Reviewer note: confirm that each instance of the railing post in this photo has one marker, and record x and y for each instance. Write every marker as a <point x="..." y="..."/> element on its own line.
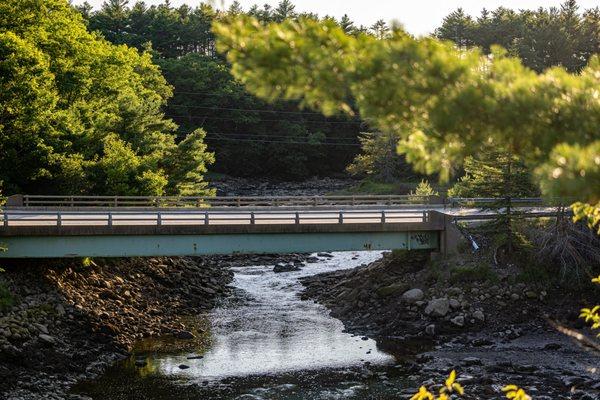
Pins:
<point x="159" y="218"/>
<point x="425" y="216"/>
<point x="116" y="202"/>
<point x="341" y="217"/>
<point x="353" y="201"/>
<point x="58" y="219"/>
<point x="383" y="217"/>
<point x="239" y="202"/>
<point x="72" y="201"/>
<point x="26" y="202"/>
<point x="252" y="218"/>
<point x="5" y="219"/>
<point x="110" y="219"/>
<point x="206" y="218"/>
<point x="297" y="218"/>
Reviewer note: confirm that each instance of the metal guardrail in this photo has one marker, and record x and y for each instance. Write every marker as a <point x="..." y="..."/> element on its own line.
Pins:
<point x="63" y="201"/>
<point x="111" y="218"/>
<point x="43" y="201"/>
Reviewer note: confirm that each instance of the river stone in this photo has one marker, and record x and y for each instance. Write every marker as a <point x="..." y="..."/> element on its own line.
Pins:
<point x="60" y="310"/>
<point x="478" y="315"/>
<point x="185" y="335"/>
<point x="281" y="267"/>
<point x="41" y="328"/>
<point x="391" y="289"/>
<point x="413" y="295"/>
<point x="430" y="330"/>
<point x="459" y="320"/>
<point x="47" y="339"/>
<point x="454" y="303"/>
<point x="437" y="307"/>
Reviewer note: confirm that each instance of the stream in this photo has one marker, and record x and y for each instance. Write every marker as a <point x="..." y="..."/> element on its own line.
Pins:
<point x="265" y="343"/>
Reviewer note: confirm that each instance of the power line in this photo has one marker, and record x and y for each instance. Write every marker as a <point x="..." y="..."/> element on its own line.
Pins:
<point x="283" y="142"/>
<point x="268" y="136"/>
<point x="249" y="110"/>
<point x="263" y="120"/>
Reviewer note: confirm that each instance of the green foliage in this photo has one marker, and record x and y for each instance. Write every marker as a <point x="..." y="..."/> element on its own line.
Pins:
<point x="570" y="251"/>
<point x="592" y="315"/>
<point x="542" y="38"/>
<point x="379" y="159"/>
<point x="444" y="103"/>
<point x="6" y="298"/>
<point x="368" y="186"/>
<point x="492" y="177"/>
<point x="80" y="115"/>
<point x="472" y="273"/>
<point x="251" y="137"/>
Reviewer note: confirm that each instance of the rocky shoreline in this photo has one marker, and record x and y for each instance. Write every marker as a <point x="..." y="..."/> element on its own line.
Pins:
<point x="491" y="330"/>
<point x="232" y="186"/>
<point x="71" y="320"/>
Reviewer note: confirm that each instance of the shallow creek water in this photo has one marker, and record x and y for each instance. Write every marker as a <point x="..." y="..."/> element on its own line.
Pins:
<point x="265" y="343"/>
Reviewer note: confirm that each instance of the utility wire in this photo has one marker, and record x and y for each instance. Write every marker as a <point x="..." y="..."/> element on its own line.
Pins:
<point x="283" y="142"/>
<point x="264" y="120"/>
<point x="250" y="110"/>
<point x="268" y="137"/>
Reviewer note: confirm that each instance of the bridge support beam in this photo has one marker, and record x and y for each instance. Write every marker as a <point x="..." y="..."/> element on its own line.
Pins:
<point x="195" y="245"/>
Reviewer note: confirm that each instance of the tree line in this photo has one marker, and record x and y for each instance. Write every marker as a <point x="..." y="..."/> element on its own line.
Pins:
<point x="129" y="98"/>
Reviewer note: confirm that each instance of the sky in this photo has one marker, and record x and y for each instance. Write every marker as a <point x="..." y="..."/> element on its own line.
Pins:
<point x="419" y="17"/>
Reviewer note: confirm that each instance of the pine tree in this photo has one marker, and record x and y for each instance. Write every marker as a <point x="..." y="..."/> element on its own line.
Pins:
<point x="347" y="25"/>
<point x="500" y="176"/>
<point x="285" y="10"/>
<point x="380" y="29"/>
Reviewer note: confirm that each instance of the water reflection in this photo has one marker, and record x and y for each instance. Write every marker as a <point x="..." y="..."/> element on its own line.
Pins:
<point x="266" y="329"/>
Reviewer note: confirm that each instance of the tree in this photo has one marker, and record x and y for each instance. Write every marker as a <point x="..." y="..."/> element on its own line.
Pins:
<point x="499" y="176"/>
<point x="347" y="25"/>
<point x="542" y="39"/>
<point x="444" y="103"/>
<point x="379" y="158"/>
<point x="457" y="27"/>
<point x="80" y="115"/>
<point x="284" y="10"/>
<point x="380" y="29"/>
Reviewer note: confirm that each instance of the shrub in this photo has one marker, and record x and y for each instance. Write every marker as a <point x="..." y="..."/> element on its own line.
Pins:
<point x="6" y="298"/>
<point x="472" y="273"/>
<point x="572" y="248"/>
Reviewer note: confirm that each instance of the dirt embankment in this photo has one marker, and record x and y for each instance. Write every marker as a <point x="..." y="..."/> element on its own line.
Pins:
<point x="70" y="321"/>
<point x="474" y="318"/>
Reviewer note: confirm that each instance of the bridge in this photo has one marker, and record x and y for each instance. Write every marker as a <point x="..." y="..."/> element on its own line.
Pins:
<point x="111" y="226"/>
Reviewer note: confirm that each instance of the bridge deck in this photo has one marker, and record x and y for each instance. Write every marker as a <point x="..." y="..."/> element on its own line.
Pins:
<point x="45" y="234"/>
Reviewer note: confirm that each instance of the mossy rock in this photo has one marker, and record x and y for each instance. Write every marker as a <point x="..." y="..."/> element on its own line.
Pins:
<point x="396" y="288"/>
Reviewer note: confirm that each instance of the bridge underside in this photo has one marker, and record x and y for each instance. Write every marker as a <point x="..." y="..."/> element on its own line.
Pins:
<point x="64" y="246"/>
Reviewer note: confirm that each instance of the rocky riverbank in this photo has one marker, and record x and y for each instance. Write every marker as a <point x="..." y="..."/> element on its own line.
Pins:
<point x="475" y="319"/>
<point x="71" y="320"/>
<point x="232" y="186"/>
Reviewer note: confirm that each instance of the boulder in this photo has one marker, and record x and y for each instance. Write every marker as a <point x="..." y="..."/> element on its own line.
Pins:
<point x="391" y="289"/>
<point x="478" y="315"/>
<point x="47" y="339"/>
<point x="430" y="330"/>
<point x="459" y="320"/>
<point x="281" y="267"/>
<point x="455" y="304"/>
<point x="185" y="335"/>
<point x="438" y="307"/>
<point x="413" y="295"/>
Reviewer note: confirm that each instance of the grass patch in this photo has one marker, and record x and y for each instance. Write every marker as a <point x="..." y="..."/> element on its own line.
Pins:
<point x="378" y="188"/>
<point x="472" y="273"/>
<point x="6" y="298"/>
<point x="536" y="275"/>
